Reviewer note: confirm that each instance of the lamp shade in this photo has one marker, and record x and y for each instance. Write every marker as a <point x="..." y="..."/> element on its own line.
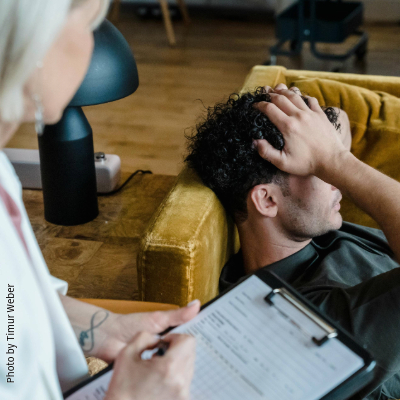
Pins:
<point x="112" y="74"/>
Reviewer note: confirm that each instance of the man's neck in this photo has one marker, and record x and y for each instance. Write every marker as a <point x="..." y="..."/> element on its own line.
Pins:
<point x="262" y="246"/>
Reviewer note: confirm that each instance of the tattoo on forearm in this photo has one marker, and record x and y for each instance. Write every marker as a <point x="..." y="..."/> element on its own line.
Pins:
<point x="89" y="334"/>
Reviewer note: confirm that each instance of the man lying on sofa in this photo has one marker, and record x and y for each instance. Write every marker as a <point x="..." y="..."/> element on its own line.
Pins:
<point x="278" y="163"/>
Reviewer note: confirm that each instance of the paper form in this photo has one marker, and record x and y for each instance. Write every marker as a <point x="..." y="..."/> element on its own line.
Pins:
<point x="246" y="349"/>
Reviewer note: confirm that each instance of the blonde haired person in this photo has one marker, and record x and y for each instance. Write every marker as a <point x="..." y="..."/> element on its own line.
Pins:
<point x="45" y="50"/>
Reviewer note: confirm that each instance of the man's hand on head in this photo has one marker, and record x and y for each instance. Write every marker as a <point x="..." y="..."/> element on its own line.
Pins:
<point x="343" y="120"/>
<point x="311" y="141"/>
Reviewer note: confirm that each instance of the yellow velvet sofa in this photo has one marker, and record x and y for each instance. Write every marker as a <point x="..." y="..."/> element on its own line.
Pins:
<point x="190" y="237"/>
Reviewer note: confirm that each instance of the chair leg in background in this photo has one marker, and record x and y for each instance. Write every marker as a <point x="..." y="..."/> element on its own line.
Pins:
<point x="184" y="11"/>
<point x="167" y="21"/>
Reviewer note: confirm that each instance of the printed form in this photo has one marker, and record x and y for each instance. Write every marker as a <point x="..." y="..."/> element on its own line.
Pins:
<point x="246" y="349"/>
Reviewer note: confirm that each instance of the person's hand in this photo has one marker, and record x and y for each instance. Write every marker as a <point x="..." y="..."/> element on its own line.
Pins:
<point x="167" y="377"/>
<point x="279" y="87"/>
<point x="119" y="329"/>
<point x="311" y="141"/>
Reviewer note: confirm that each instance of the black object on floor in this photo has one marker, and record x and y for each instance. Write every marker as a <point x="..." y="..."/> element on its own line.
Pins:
<point x="320" y="21"/>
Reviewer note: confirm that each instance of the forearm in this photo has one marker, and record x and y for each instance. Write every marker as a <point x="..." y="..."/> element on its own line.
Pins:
<point x="345" y="131"/>
<point x="375" y="193"/>
<point x="88" y="323"/>
<point x="104" y="334"/>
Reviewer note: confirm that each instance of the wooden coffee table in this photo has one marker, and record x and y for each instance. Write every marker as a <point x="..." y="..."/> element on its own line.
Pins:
<point x="98" y="259"/>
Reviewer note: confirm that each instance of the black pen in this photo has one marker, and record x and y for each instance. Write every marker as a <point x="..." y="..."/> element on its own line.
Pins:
<point x="159" y="350"/>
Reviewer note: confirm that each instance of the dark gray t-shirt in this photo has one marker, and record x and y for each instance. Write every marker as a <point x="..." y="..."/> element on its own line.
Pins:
<point x="351" y="275"/>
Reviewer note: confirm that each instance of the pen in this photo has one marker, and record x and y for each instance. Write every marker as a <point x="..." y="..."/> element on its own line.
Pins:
<point x="159" y="350"/>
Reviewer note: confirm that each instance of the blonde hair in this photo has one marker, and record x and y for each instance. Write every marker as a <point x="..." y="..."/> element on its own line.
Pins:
<point x="27" y="31"/>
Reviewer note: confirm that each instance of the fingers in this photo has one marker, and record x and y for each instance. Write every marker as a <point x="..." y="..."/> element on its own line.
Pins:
<point x="162" y="320"/>
<point x="268" y="89"/>
<point x="275" y="114"/>
<point x="313" y="104"/>
<point x="268" y="152"/>
<point x="284" y="104"/>
<point x="180" y="346"/>
<point x="295" y="90"/>
<point x="280" y="86"/>
<point x="178" y="361"/>
<point x="312" y="101"/>
<point x="292" y="98"/>
<point x="182" y="315"/>
<point x="140" y="342"/>
<point x="167" y="377"/>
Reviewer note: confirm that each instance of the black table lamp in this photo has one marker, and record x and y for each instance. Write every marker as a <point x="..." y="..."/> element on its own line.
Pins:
<point x="66" y="148"/>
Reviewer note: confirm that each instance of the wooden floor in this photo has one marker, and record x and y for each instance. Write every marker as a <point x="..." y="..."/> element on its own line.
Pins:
<point x="211" y="61"/>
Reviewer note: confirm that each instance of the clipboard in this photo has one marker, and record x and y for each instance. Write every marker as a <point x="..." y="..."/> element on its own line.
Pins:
<point x="356" y="381"/>
<point x="280" y="297"/>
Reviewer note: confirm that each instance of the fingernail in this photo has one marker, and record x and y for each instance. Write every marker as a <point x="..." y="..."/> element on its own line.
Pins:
<point x="192" y="303"/>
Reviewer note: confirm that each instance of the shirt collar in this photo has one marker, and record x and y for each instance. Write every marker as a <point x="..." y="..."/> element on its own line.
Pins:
<point x="288" y="268"/>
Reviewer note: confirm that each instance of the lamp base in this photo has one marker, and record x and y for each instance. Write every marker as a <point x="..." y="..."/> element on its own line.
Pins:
<point x="67" y="169"/>
<point x="69" y="180"/>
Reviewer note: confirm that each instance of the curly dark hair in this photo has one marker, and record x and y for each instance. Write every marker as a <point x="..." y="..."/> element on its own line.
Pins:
<point x="221" y="149"/>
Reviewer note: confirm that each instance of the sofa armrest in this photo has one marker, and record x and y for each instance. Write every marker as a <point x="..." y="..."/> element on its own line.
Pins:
<point x="185" y="246"/>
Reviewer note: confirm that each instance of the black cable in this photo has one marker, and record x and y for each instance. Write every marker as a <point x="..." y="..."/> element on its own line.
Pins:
<point x="125" y="183"/>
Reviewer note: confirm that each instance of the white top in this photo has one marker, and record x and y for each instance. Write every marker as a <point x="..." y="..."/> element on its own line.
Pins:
<point x="48" y="359"/>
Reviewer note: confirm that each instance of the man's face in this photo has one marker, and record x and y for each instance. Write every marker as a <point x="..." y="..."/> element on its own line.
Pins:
<point x="310" y="209"/>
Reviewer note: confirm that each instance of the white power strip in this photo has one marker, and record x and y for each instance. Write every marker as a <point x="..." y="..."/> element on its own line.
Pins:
<point x="27" y="166"/>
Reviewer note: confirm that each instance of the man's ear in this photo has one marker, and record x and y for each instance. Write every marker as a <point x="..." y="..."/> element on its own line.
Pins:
<point x="264" y="200"/>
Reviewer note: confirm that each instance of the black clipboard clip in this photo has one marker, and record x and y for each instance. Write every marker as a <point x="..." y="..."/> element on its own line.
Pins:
<point x="330" y="331"/>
